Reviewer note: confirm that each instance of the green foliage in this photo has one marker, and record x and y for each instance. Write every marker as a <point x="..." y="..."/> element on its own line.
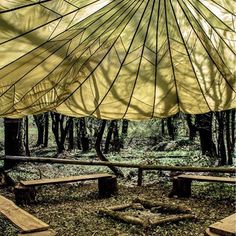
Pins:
<point x="149" y="128"/>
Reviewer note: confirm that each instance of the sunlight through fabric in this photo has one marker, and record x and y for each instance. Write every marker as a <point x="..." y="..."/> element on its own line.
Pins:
<point x="115" y="59"/>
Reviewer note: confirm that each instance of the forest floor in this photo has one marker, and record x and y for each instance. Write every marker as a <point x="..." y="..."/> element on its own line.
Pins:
<point x="73" y="209"/>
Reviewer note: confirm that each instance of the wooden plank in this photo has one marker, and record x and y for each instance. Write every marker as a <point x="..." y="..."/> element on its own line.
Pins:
<point x="64" y="179"/>
<point x="23" y="220"/>
<point x="225" y="227"/>
<point x="230" y="180"/>
<point x="49" y="232"/>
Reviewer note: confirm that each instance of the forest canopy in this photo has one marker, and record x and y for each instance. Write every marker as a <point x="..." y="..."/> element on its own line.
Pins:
<point x="114" y="59"/>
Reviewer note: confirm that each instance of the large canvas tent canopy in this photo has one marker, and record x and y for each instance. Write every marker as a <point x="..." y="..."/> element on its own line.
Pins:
<point x="113" y="59"/>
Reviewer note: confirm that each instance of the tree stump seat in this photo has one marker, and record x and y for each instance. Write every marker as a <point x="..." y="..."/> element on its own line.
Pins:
<point x="25" y="222"/>
<point x="182" y="183"/>
<point x="25" y="191"/>
<point x="224" y="227"/>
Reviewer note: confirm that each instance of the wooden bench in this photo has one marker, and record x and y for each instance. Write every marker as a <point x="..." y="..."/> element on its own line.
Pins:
<point x="225" y="227"/>
<point x="25" y="222"/>
<point x="182" y="183"/>
<point x="49" y="232"/>
<point x="25" y="191"/>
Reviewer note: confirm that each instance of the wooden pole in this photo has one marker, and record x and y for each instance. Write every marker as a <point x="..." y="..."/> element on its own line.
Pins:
<point x="121" y="164"/>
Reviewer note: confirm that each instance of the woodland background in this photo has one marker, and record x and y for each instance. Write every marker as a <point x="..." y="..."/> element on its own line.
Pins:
<point x="211" y="135"/>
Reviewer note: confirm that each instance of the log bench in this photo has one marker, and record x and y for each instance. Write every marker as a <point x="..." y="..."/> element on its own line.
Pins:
<point x="225" y="227"/>
<point x="25" y="222"/>
<point x="25" y="191"/>
<point x="182" y="183"/>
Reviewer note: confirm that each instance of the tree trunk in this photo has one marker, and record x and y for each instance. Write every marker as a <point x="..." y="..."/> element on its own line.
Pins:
<point x="46" y="126"/>
<point x="71" y="135"/>
<point x="26" y="138"/>
<point x="191" y="127"/>
<point x="204" y="126"/>
<point x="233" y="136"/>
<point x="116" y="139"/>
<point x="124" y="132"/>
<point x="228" y="138"/>
<point x="55" y="130"/>
<point x="171" y="128"/>
<point x="39" y="121"/>
<point x="60" y="127"/>
<point x="162" y="127"/>
<point x="83" y="135"/>
<point x="116" y="170"/>
<point x="108" y="138"/>
<point x="221" y="138"/>
<point x="77" y="127"/>
<point x="13" y="140"/>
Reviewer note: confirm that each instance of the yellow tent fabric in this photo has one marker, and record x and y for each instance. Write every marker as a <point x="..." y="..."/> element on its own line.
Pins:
<point x="114" y="59"/>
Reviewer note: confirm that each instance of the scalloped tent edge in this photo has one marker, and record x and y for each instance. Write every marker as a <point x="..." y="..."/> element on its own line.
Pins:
<point x="115" y="59"/>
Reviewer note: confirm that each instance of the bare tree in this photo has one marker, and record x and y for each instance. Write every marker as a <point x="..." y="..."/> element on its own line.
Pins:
<point x="14" y="142"/>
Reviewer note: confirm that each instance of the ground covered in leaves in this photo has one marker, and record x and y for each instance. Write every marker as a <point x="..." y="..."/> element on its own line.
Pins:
<point x="73" y="209"/>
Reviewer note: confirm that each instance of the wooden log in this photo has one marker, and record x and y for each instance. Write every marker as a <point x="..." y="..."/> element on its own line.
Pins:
<point x="119" y="207"/>
<point x="169" y="219"/>
<point x="124" y="217"/>
<point x="145" y="223"/>
<point x="140" y="176"/>
<point x="163" y="207"/>
<point x="125" y="165"/>
<point x="137" y="206"/>
<point x="107" y="186"/>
